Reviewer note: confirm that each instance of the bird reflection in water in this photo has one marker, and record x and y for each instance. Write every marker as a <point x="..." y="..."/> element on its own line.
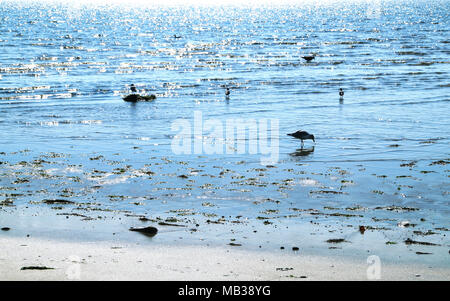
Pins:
<point x="303" y="152"/>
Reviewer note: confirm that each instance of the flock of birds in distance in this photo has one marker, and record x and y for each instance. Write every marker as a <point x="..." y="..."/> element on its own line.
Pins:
<point x="302" y="135"/>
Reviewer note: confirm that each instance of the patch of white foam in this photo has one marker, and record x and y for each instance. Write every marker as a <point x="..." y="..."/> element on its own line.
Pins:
<point x="49" y="123"/>
<point x="91" y="122"/>
<point x="309" y="182"/>
<point x="116" y="180"/>
<point x="72" y="169"/>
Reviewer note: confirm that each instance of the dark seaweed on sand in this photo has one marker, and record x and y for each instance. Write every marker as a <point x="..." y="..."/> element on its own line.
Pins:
<point x="36" y="268"/>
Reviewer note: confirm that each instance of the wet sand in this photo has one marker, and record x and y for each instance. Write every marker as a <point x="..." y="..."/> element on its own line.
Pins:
<point x="109" y="261"/>
<point x="295" y="211"/>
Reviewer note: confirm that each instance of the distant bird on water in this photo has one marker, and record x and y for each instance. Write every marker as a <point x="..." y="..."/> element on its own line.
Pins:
<point x="133" y="88"/>
<point x="302" y="135"/>
<point x="308" y="58"/>
<point x="227" y="92"/>
<point x="341" y="92"/>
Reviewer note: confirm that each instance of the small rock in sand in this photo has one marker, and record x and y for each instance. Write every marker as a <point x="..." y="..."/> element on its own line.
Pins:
<point x="362" y="229"/>
<point x="149" y="231"/>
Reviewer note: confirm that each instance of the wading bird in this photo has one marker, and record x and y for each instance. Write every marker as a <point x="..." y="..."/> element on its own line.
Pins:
<point x="302" y="135"/>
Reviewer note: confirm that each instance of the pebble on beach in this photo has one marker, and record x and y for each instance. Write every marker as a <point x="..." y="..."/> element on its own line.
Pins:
<point x="148" y="231"/>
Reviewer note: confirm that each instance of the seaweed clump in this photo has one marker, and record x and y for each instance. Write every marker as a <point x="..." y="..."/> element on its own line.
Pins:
<point x="137" y="97"/>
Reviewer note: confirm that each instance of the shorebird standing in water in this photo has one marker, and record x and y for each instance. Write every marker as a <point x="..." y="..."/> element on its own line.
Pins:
<point x="341" y="95"/>
<point x="133" y="88"/>
<point x="302" y="135"/>
<point x="227" y="92"/>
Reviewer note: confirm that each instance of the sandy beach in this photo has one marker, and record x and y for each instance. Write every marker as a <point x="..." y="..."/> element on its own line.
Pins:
<point x="109" y="261"/>
<point x="268" y="239"/>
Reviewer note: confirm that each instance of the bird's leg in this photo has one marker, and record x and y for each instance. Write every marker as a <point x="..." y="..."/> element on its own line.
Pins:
<point x="302" y="144"/>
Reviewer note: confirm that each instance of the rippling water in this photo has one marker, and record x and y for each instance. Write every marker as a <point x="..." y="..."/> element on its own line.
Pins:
<point x="64" y="69"/>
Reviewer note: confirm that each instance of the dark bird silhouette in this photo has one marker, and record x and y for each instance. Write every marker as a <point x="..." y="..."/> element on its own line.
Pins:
<point x="308" y="58"/>
<point x="341" y="92"/>
<point x="133" y="88"/>
<point x="227" y="92"/>
<point x="302" y="135"/>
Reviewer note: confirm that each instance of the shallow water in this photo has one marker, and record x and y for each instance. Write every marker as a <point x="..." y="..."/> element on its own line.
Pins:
<point x="66" y="133"/>
<point x="64" y="70"/>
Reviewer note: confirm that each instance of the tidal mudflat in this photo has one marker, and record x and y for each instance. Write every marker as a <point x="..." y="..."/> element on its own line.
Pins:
<point x="294" y="207"/>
